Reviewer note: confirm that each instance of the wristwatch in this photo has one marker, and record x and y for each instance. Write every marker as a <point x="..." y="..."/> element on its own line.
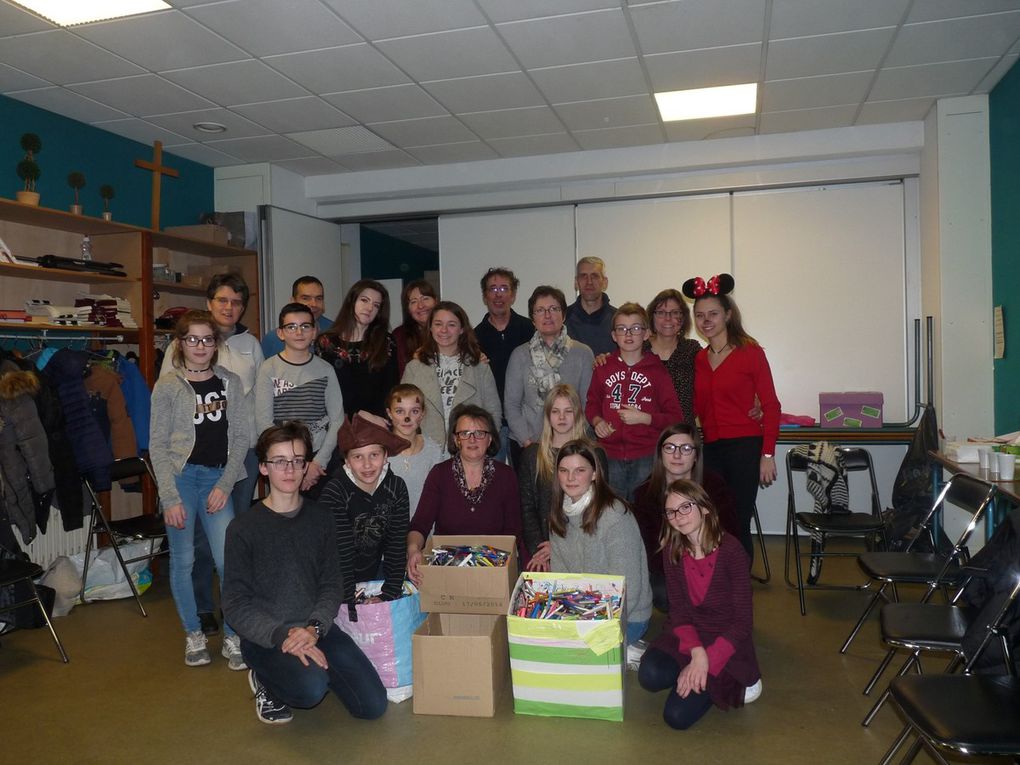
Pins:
<point x="768" y="456"/>
<point x="316" y="625"/>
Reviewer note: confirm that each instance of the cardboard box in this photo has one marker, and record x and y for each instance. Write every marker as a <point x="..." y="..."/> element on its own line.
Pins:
<point x="460" y="664"/>
<point x="566" y="668"/>
<point x="861" y="409"/>
<point x="206" y="232"/>
<point x="469" y="590"/>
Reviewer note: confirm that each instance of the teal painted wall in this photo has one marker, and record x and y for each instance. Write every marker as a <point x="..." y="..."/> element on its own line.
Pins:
<point x="1004" y="137"/>
<point x="104" y="158"/>
<point x="383" y="257"/>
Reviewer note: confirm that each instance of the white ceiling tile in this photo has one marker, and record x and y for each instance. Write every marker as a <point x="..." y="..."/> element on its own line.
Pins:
<point x="141" y="131"/>
<point x="997" y="73"/>
<point x="930" y="10"/>
<point x="345" y="140"/>
<point x="501" y="10"/>
<point x="385" y="104"/>
<point x="15" y="79"/>
<point x="827" y="54"/>
<point x="954" y="40"/>
<point x="158" y="41"/>
<point x="335" y="70"/>
<point x="311" y="166"/>
<point x="142" y="96"/>
<point x="704" y="68"/>
<point x="907" y="110"/>
<point x="807" y="119"/>
<point x="809" y="92"/>
<point x="513" y="122"/>
<point x="574" y="39"/>
<point x="379" y="19"/>
<point x="717" y="127"/>
<point x="239" y="82"/>
<point x="491" y="91"/>
<point x="800" y="18"/>
<point x="69" y="104"/>
<point x="377" y="160"/>
<point x="470" y="151"/>
<point x="18" y="21"/>
<point x="444" y="55"/>
<point x="265" y="27"/>
<point x="423" y="132"/>
<point x="270" y="148"/>
<point x="204" y="155"/>
<point x="948" y="79"/>
<point x="294" y="114"/>
<point x="615" y="138"/>
<point x="182" y="122"/>
<point x="610" y="112"/>
<point x="530" y="145"/>
<point x="62" y="58"/>
<point x="600" y="79"/>
<point x="695" y="24"/>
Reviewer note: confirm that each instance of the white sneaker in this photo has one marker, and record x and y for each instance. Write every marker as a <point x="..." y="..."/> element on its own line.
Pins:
<point x="232" y="653"/>
<point x="634" y="653"/>
<point x="195" y="652"/>
<point x="752" y="692"/>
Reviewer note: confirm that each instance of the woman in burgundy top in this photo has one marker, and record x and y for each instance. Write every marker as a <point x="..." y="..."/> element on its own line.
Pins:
<point x="417" y="301"/>
<point x="728" y="374"/>
<point x="704" y="655"/>
<point x="470" y="493"/>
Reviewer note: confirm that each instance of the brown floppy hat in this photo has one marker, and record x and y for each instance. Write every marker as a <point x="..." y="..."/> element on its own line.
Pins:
<point x="360" y="432"/>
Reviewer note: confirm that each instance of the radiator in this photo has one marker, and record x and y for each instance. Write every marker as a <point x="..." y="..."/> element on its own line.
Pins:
<point x="46" y="548"/>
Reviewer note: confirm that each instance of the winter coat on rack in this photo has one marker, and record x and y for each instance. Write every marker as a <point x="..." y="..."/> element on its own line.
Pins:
<point x="137" y="398"/>
<point x="24" y="454"/>
<point x="105" y="383"/>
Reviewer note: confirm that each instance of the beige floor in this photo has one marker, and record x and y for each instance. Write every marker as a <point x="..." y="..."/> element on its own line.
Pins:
<point x="127" y="697"/>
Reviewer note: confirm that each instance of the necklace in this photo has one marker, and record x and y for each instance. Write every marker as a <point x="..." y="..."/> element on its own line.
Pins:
<point x="197" y="371"/>
<point x="720" y="351"/>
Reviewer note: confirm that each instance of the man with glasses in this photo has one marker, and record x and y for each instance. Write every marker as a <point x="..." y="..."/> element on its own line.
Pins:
<point x="590" y="317"/>
<point x="308" y="291"/>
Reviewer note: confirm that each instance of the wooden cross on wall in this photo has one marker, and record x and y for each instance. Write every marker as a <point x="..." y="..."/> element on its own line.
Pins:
<point x="157" y="169"/>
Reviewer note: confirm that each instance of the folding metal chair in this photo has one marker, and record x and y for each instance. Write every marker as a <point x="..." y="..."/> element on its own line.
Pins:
<point x="759" y="532"/>
<point x="14" y="571"/>
<point x="148" y="528"/>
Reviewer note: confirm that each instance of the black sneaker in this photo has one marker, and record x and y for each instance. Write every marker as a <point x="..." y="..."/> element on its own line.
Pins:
<point x="209" y="624"/>
<point x="268" y="709"/>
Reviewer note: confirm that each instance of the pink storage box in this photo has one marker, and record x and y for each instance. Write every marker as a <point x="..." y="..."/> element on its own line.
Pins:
<point x="862" y="409"/>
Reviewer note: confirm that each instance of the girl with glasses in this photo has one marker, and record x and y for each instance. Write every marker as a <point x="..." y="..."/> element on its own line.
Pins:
<point x="705" y="654"/>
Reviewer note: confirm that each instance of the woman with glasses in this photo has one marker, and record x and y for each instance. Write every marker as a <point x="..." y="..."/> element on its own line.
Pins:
<point x="671" y="320"/>
<point x="551" y="357"/>
<point x="199" y="439"/>
<point x="416" y="302"/>
<point x="361" y="349"/>
<point x="470" y="493"/>
<point x="449" y="371"/>
<point x="677" y="458"/>
<point x="704" y="654"/>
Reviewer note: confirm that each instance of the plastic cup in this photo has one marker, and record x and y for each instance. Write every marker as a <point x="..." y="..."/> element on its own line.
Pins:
<point x="1007" y="466"/>
<point x="984" y="456"/>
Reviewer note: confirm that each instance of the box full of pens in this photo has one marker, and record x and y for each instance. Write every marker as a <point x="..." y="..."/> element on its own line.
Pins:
<point x="566" y="635"/>
<point x="468" y="574"/>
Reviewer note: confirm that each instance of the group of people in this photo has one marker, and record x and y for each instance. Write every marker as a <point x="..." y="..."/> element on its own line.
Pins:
<point x="572" y="431"/>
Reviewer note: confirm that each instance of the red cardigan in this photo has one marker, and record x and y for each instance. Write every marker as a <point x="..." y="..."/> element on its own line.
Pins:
<point x="724" y="396"/>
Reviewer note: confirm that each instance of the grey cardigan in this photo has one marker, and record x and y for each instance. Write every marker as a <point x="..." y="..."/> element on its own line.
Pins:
<point x="523" y="406"/>
<point x="476" y="386"/>
<point x="172" y="431"/>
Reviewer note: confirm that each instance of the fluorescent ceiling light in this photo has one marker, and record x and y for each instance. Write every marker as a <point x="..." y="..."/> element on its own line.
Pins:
<point x="701" y="103"/>
<point x="69" y="12"/>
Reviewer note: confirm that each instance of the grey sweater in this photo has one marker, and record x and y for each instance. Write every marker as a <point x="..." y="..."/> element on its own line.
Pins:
<point x="280" y="572"/>
<point x="614" y="549"/>
<point x="172" y="431"/>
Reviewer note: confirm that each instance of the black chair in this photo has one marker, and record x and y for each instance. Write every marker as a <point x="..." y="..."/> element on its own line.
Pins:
<point x="14" y="571"/>
<point x="935" y="570"/>
<point x="970" y="714"/>
<point x="760" y="533"/>
<point x="868" y="525"/>
<point x="149" y="528"/>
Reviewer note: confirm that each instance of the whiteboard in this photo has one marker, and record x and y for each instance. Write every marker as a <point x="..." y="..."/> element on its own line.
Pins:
<point x="821" y="284"/>
<point x="536" y="244"/>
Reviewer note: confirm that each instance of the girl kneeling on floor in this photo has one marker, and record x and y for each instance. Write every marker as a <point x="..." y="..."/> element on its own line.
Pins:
<point x="704" y="655"/>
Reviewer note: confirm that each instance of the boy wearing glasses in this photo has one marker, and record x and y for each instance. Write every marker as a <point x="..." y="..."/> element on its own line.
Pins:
<point x="284" y="603"/>
<point x="630" y="400"/>
<point x="297" y="385"/>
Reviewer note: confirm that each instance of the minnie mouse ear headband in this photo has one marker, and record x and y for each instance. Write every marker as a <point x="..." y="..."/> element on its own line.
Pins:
<point x="718" y="285"/>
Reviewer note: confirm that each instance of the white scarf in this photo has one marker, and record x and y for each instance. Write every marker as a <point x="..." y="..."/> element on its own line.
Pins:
<point x="574" y="509"/>
<point x="382" y="474"/>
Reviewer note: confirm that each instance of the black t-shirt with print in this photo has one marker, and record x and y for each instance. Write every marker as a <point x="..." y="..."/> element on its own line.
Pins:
<point x="210" y="423"/>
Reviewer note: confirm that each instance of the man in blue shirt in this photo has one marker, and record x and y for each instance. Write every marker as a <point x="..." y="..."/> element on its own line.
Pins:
<point x="308" y="291"/>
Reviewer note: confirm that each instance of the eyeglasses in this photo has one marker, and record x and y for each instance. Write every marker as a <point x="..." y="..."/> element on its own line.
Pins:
<point x="663" y="314"/>
<point x="293" y="328"/>
<point x="552" y="310"/>
<point x="298" y="463"/>
<point x="472" y="435"/>
<point x="683" y="509"/>
<point x="207" y="340"/>
<point x="224" y="302"/>
<point x="498" y="289"/>
<point x="637" y="329"/>
<point x="684" y="449"/>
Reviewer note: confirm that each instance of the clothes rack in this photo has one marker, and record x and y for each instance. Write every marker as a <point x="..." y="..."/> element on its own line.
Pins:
<point x="44" y="334"/>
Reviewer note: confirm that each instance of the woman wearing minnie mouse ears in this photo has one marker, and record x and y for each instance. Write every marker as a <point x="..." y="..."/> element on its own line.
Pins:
<point x="728" y="374"/>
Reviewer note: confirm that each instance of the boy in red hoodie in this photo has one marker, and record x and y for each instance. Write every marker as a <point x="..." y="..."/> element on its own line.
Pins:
<point x="630" y="400"/>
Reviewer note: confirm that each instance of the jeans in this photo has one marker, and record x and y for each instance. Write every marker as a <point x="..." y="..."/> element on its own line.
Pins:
<point x="738" y="461"/>
<point x="193" y="485"/>
<point x="659" y="672"/>
<point x="625" y="475"/>
<point x="635" y="630"/>
<point x="350" y="676"/>
<point x="202" y="572"/>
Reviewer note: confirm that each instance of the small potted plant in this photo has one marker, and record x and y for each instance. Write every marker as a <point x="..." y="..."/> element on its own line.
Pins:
<point x="28" y="170"/>
<point x="76" y="181"/>
<point x="106" y="192"/>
